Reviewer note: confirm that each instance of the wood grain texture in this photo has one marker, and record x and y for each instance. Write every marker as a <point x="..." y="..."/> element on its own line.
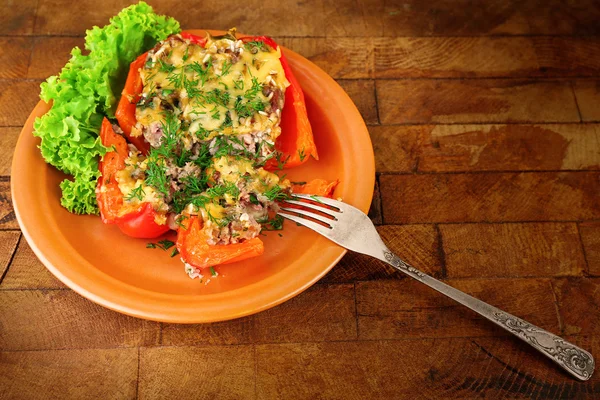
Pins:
<point x="417" y="244"/>
<point x="69" y="374"/>
<point x="396" y="148"/>
<point x="375" y="208"/>
<point x="8" y="245"/>
<point x="348" y="18"/>
<point x="310" y="18"/>
<point x="50" y="54"/>
<point x="590" y="236"/>
<point x="362" y="93"/>
<point x="498" y="17"/>
<point x="8" y="141"/>
<point x="7" y="213"/>
<point x="490" y="197"/>
<point x="409" y="309"/>
<point x="465" y="101"/>
<point x="27" y="272"/>
<point x="450" y="57"/>
<point x="475" y="111"/>
<point x="61" y="319"/>
<point x="237" y="331"/>
<point x="322" y="313"/>
<point x="17" y="99"/>
<point x="579" y="305"/>
<point x="417" y="369"/>
<point x="445" y="148"/>
<point x="14" y="57"/>
<point x="224" y="372"/>
<point x="587" y="93"/>
<point x="486" y="57"/>
<point x="512" y="250"/>
<point x="513" y="147"/>
<point x="341" y="58"/>
<point x="17" y="17"/>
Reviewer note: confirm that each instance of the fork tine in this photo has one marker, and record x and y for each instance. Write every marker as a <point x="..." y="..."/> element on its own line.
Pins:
<point x="324" y="210"/>
<point x="309" y="214"/>
<point x="307" y="223"/>
<point x="324" y="200"/>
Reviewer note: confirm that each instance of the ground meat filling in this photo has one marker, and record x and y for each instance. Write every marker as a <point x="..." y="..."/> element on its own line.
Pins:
<point x="211" y="116"/>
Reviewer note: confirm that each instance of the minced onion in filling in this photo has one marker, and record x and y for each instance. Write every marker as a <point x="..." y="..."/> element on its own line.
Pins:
<point x="211" y="115"/>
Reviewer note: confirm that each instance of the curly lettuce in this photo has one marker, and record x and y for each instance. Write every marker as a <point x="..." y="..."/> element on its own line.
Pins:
<point x="86" y="90"/>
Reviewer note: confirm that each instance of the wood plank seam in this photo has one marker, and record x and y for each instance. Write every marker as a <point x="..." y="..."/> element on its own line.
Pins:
<point x="137" y="381"/>
<point x="380" y="201"/>
<point x="541" y="123"/>
<point x="255" y="357"/>
<point x="356" y="312"/>
<point x="585" y="257"/>
<point x="441" y="252"/>
<point x="576" y="101"/>
<point x="31" y="49"/>
<point x="561" y="324"/>
<point x="493" y="222"/>
<point x="12" y="256"/>
<point x="499" y="171"/>
<point x="376" y="101"/>
<point x="512" y="369"/>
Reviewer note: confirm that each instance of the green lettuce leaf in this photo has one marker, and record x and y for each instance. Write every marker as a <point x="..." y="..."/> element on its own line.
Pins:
<point x="86" y="90"/>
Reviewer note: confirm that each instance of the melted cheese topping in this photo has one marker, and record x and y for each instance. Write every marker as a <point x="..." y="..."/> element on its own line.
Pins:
<point x="218" y="89"/>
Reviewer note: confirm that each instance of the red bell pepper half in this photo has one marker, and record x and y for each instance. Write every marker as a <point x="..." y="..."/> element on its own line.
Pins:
<point x="296" y="142"/>
<point x="130" y="95"/>
<point x="140" y="221"/>
<point x="194" y="249"/>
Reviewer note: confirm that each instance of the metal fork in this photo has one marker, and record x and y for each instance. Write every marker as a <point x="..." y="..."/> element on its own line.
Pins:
<point x="351" y="228"/>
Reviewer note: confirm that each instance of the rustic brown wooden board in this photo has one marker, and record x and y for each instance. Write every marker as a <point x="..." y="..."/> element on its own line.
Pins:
<point x="590" y="235"/>
<point x="226" y="372"/>
<point x="466" y="101"/>
<point x="8" y="246"/>
<point x="407" y="309"/>
<point x="484" y="118"/>
<point x="27" y="272"/>
<point x="7" y="214"/>
<point x="579" y="305"/>
<point x="8" y="141"/>
<point x="347" y="58"/>
<point x="362" y="93"/>
<point x="492" y="197"/>
<point x="18" y="17"/>
<point x="486" y="57"/>
<point x="90" y="373"/>
<point x="528" y="249"/>
<point x="17" y="99"/>
<point x="498" y="17"/>
<point x="61" y="319"/>
<point x="588" y="99"/>
<point x="14" y="57"/>
<point x="512" y="147"/>
<point x="50" y="54"/>
<point x="322" y="313"/>
<point x="416" y="369"/>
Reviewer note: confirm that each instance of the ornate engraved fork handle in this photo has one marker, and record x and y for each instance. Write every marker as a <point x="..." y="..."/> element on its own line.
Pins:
<point x="573" y="359"/>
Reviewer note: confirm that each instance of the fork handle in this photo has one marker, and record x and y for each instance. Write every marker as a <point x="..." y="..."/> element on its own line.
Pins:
<point x="571" y="358"/>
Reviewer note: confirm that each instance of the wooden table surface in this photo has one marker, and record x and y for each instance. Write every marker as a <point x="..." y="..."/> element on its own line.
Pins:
<point x="484" y="120"/>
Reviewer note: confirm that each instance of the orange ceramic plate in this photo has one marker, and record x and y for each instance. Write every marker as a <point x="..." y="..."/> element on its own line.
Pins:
<point x="120" y="273"/>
